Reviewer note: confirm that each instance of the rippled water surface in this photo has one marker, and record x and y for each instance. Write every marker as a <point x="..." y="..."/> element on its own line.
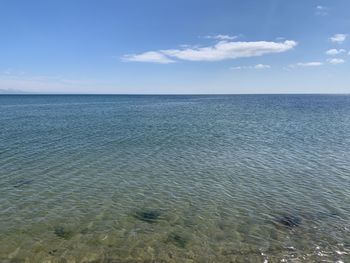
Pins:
<point x="261" y="178"/>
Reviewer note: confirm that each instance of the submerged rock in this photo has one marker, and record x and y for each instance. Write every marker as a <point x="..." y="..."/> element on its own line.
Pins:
<point x="289" y="221"/>
<point x="53" y="252"/>
<point x="84" y="231"/>
<point x="177" y="240"/>
<point x="61" y="232"/>
<point x="21" y="183"/>
<point x="149" y="216"/>
<point x="292" y="220"/>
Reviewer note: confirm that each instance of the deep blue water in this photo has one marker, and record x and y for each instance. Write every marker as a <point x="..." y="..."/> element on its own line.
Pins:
<point x="243" y="178"/>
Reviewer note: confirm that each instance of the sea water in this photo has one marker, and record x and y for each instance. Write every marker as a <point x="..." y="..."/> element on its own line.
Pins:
<point x="244" y="178"/>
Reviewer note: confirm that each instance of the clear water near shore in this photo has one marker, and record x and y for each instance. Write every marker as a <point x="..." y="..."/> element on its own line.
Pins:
<point x="256" y="178"/>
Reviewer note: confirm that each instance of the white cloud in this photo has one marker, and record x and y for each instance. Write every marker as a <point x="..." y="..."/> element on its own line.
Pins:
<point x="336" y="61"/>
<point x="317" y="63"/>
<point x="258" y="66"/>
<point x="220" y="51"/>
<point x="321" y="10"/>
<point x="334" y="52"/>
<point x="230" y="50"/>
<point x="338" y="38"/>
<point x="307" y="64"/>
<point x="222" y="37"/>
<point x="262" y="66"/>
<point x="151" y="56"/>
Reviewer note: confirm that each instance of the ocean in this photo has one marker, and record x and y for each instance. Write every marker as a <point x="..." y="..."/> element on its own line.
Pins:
<point x="224" y="178"/>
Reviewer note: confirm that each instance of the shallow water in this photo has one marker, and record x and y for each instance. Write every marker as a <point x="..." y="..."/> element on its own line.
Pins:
<point x="263" y="178"/>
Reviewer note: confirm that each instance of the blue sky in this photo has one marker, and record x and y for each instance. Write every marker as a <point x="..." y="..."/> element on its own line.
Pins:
<point x="182" y="46"/>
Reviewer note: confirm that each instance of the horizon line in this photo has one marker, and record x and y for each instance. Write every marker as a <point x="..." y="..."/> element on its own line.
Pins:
<point x="173" y="94"/>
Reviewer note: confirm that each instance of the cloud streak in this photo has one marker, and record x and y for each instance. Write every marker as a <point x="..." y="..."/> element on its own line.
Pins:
<point x="221" y="37"/>
<point x="336" y="61"/>
<point x="321" y="10"/>
<point x="223" y="50"/>
<point x="307" y="64"/>
<point x="334" y="52"/>
<point x="338" y="38"/>
<point x="151" y="56"/>
<point x="258" y="66"/>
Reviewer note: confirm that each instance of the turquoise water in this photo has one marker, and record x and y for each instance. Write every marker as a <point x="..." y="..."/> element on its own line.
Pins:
<point x="255" y="178"/>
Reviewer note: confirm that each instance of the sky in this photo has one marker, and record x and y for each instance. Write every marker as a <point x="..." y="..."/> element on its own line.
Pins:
<point x="175" y="47"/>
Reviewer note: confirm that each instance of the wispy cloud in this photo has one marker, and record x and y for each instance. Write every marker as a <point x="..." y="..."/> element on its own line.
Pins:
<point x="222" y="50"/>
<point x="258" y="66"/>
<point x="262" y="66"/>
<point x="338" y="38"/>
<point x="334" y="52"/>
<point x="307" y="64"/>
<point x="333" y="61"/>
<point x="321" y="10"/>
<point x="6" y="72"/>
<point x="336" y="61"/>
<point x="151" y="56"/>
<point x="230" y="50"/>
<point x="221" y="37"/>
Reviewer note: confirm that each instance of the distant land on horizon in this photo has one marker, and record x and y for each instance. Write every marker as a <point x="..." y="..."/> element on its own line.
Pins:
<point x="14" y="91"/>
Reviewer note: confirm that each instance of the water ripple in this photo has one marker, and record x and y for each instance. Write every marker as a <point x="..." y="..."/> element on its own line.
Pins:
<point x="175" y="178"/>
